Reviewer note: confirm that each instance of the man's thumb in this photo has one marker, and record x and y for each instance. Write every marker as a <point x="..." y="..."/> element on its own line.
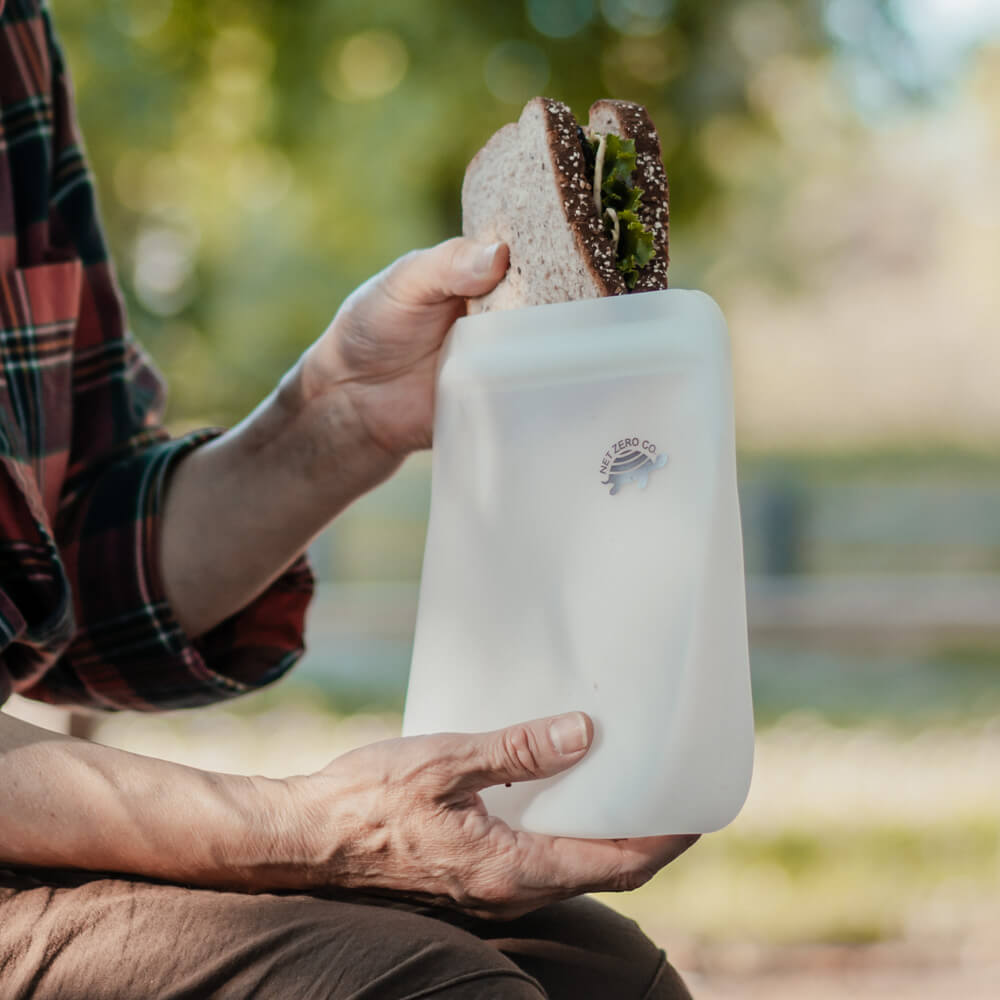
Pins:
<point x="457" y="268"/>
<point x="529" y="750"/>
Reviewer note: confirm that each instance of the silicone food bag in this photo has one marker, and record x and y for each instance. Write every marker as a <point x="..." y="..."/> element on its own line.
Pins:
<point x="584" y="552"/>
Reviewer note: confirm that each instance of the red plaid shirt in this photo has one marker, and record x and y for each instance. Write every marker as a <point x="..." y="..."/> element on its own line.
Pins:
<point x="84" y="462"/>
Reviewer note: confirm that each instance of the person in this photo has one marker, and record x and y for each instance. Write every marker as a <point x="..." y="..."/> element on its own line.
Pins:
<point x="141" y="572"/>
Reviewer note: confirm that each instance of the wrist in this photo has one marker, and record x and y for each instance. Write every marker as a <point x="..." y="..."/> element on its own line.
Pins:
<point x="300" y="842"/>
<point x="313" y="420"/>
<point x="273" y="850"/>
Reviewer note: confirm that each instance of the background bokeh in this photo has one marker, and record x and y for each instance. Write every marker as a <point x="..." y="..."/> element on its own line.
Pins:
<point x="833" y="168"/>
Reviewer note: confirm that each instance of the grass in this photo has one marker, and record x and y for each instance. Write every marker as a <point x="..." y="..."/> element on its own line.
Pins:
<point x="798" y="886"/>
<point x="918" y="464"/>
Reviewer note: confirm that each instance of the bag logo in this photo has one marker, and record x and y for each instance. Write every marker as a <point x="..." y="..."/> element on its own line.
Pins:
<point x="630" y="461"/>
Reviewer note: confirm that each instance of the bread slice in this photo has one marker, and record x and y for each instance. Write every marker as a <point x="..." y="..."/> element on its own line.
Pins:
<point x="631" y="121"/>
<point x="528" y="186"/>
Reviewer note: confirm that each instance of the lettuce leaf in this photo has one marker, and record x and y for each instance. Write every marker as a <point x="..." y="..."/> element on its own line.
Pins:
<point x="618" y="192"/>
<point x="619" y="168"/>
<point x="635" y="246"/>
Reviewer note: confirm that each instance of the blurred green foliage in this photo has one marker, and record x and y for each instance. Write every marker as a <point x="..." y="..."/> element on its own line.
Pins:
<point x="258" y="159"/>
<point x="794" y="886"/>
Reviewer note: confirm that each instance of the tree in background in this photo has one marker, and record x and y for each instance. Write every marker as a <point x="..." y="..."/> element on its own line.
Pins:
<point x="257" y="159"/>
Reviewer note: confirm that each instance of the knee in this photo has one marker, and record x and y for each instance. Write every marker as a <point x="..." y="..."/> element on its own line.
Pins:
<point x="628" y="943"/>
<point x="667" y="984"/>
<point x="625" y="940"/>
<point x="356" y="950"/>
<point x="583" y="948"/>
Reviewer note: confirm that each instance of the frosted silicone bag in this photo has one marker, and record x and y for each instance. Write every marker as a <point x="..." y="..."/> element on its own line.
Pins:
<point x="561" y="573"/>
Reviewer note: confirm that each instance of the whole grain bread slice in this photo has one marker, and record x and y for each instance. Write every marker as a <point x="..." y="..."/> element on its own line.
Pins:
<point x="631" y="121"/>
<point x="529" y="187"/>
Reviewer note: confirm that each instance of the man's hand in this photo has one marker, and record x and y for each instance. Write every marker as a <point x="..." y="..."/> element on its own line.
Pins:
<point x="381" y="350"/>
<point x="401" y="816"/>
<point x="405" y="815"/>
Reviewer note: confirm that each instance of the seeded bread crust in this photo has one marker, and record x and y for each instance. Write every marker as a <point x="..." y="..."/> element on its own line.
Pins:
<point x="528" y="187"/>
<point x="577" y="190"/>
<point x="631" y="121"/>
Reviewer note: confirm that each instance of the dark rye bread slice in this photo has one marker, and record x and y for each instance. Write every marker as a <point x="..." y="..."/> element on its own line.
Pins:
<point x="631" y="121"/>
<point x="529" y="187"/>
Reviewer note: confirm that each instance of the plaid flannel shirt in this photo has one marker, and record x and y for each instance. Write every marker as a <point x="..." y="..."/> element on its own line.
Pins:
<point x="84" y="462"/>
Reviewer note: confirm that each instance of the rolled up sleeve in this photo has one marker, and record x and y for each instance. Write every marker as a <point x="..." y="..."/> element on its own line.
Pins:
<point x="129" y="650"/>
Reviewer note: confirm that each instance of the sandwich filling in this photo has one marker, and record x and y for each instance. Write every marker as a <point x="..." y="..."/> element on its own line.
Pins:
<point x="611" y="162"/>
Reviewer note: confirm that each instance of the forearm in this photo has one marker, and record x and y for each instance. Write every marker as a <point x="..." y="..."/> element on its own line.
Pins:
<point x="242" y="507"/>
<point x="69" y="803"/>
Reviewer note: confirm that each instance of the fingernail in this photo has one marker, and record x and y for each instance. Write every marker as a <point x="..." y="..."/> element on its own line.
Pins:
<point x="568" y="733"/>
<point x="483" y="262"/>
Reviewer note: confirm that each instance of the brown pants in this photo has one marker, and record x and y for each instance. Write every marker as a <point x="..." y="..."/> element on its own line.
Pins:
<point x="77" y="936"/>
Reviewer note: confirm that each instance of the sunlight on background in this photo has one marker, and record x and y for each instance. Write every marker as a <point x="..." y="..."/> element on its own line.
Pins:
<point x="834" y="186"/>
<point x="366" y="66"/>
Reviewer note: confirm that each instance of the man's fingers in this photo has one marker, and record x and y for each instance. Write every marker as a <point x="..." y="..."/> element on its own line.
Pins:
<point x="569" y="864"/>
<point x="525" y="752"/>
<point x="658" y="851"/>
<point x="457" y="268"/>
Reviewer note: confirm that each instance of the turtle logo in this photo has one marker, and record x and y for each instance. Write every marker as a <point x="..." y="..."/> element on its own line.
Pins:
<point x="630" y="461"/>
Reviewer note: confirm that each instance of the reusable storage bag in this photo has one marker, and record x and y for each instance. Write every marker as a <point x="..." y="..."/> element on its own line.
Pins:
<point x="584" y="552"/>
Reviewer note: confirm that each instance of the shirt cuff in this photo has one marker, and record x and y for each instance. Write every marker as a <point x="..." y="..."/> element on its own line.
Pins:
<point x="129" y="650"/>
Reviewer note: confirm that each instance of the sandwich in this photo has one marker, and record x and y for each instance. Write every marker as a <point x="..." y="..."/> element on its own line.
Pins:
<point x="583" y="210"/>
